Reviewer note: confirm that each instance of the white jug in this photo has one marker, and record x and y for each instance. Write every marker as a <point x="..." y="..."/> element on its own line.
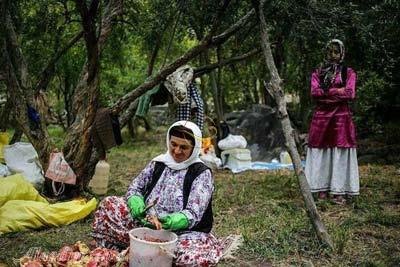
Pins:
<point x="99" y="182"/>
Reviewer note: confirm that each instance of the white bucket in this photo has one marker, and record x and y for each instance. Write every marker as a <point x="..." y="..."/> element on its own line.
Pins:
<point x="144" y="253"/>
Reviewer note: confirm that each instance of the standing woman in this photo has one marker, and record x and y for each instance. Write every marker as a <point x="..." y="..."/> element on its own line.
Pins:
<point x="331" y="164"/>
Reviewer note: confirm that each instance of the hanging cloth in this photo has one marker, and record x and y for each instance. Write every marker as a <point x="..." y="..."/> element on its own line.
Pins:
<point x="178" y="82"/>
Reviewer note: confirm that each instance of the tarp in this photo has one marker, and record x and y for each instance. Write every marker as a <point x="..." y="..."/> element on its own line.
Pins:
<point x="22" y="208"/>
<point x="259" y="165"/>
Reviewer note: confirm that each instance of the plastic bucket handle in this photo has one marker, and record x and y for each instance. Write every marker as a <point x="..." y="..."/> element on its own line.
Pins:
<point x="166" y="251"/>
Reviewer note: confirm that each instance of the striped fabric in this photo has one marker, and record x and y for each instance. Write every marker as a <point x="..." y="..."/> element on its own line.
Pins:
<point x="184" y="110"/>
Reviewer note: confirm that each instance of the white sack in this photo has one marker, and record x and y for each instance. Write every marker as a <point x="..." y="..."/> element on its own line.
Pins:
<point x="232" y="141"/>
<point x="22" y="158"/>
<point x="4" y="171"/>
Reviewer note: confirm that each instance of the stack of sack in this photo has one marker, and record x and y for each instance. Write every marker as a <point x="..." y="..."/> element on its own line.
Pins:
<point x="234" y="154"/>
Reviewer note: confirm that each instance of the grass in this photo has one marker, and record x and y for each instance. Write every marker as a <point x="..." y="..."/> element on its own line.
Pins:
<point x="267" y="209"/>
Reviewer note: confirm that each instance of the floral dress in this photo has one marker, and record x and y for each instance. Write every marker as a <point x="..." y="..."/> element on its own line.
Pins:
<point x="112" y="220"/>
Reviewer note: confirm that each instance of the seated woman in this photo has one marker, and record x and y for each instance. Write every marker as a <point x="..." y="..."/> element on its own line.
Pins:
<point x="182" y="186"/>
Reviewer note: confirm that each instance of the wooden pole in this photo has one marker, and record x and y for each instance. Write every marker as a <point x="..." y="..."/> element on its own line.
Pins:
<point x="276" y="88"/>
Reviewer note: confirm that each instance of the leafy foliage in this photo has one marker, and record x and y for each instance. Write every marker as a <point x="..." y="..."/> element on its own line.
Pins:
<point x="166" y="29"/>
<point x="370" y="101"/>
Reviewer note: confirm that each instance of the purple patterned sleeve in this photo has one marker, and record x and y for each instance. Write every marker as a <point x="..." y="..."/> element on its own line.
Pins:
<point x="138" y="184"/>
<point x="199" y="197"/>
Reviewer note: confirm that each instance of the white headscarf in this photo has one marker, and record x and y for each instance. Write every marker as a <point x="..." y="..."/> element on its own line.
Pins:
<point x="168" y="160"/>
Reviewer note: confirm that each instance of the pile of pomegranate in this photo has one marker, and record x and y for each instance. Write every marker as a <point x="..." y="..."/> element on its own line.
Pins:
<point x="78" y="255"/>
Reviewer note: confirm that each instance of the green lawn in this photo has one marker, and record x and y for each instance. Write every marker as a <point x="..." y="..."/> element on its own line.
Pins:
<point x="267" y="209"/>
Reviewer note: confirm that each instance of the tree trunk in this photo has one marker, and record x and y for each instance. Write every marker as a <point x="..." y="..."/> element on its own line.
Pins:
<point x="255" y="90"/>
<point x="217" y="102"/>
<point x="244" y="87"/>
<point x="5" y="115"/>
<point x="126" y="117"/>
<point x="305" y="96"/>
<point x="277" y="91"/>
<point x="21" y="93"/>
<point x="78" y="148"/>
<point x="16" y="136"/>
<point x="220" y="91"/>
<point x="68" y="93"/>
<point x="214" y="90"/>
<point x="203" y="88"/>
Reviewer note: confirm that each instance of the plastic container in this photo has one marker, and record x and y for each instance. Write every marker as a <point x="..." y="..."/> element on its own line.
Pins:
<point x="285" y="158"/>
<point x="144" y="253"/>
<point x="236" y="159"/>
<point x="99" y="182"/>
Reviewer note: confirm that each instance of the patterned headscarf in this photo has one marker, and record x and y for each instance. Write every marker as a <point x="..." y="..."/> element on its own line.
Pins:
<point x="329" y="70"/>
<point x="341" y="47"/>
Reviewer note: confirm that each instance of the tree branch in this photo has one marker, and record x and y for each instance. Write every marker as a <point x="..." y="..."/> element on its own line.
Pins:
<point x="208" y="68"/>
<point x="124" y="101"/>
<point x="16" y="57"/>
<point x="123" y="21"/>
<point x="94" y="5"/>
<point x="89" y="30"/>
<point x="39" y="138"/>
<point x="48" y="71"/>
<point x="278" y="93"/>
<point x="223" y="4"/>
<point x="112" y="10"/>
<point x="233" y="29"/>
<point x="204" y="44"/>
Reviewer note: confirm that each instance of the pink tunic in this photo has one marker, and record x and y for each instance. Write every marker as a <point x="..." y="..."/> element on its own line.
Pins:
<point x="332" y="124"/>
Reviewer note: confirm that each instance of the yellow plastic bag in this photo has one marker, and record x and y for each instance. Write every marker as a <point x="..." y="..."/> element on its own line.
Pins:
<point x="22" y="208"/>
<point x="22" y="215"/>
<point x="16" y="187"/>
<point x="4" y="140"/>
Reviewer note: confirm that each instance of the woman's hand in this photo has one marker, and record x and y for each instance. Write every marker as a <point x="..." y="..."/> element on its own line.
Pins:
<point x="175" y="221"/>
<point x="341" y="90"/>
<point x="153" y="220"/>
<point x="136" y="207"/>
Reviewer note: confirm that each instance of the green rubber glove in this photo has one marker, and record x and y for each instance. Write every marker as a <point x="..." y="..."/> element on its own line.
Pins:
<point x="175" y="221"/>
<point x="136" y="206"/>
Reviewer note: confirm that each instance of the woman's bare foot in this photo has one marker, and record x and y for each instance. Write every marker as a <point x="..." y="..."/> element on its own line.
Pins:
<point x="339" y="200"/>
<point x="322" y="195"/>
